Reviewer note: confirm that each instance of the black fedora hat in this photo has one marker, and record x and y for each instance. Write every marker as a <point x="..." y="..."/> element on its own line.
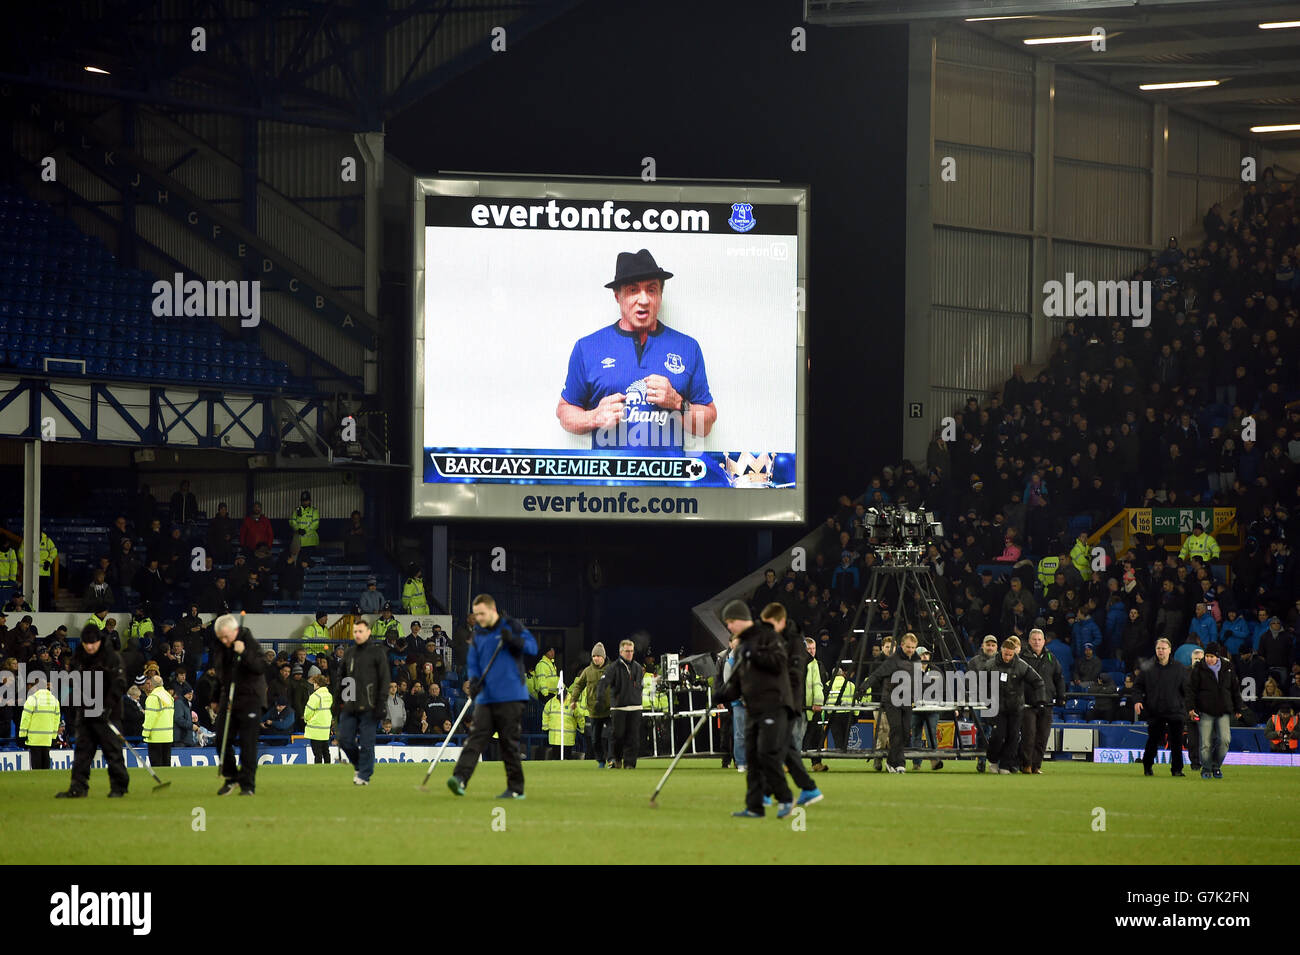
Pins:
<point x="636" y="267"/>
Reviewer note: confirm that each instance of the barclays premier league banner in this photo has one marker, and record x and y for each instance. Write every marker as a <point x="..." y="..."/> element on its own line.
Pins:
<point x="608" y="351"/>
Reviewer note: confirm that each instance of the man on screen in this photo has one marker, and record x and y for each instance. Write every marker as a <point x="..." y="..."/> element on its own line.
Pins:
<point x="637" y="383"/>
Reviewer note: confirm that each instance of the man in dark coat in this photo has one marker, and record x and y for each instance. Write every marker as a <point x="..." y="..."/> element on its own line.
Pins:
<point x="1160" y="686"/>
<point x="360" y="699"/>
<point x="239" y="663"/>
<point x="1012" y="674"/>
<point x="623" y="679"/>
<point x="762" y="678"/>
<point x="798" y="658"/>
<point x="104" y="687"/>
<point x="1215" y="695"/>
<point x="882" y="684"/>
<point x="1036" y="721"/>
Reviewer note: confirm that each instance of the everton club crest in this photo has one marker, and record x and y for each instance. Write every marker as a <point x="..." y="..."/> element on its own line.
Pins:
<point x="675" y="364"/>
<point x="742" y="216"/>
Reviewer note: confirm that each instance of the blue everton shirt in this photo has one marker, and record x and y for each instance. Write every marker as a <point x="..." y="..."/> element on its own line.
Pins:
<point x="610" y="361"/>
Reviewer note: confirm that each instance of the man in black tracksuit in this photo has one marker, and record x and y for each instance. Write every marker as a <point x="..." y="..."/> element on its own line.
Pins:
<point x="623" y="678"/>
<point x="1036" y="721"/>
<point x="1161" y="686"/>
<point x="798" y="659"/>
<point x="103" y="669"/>
<point x="363" y="681"/>
<point x="238" y="661"/>
<point x="882" y="684"/>
<point x="1011" y="674"/>
<point x="762" y="678"/>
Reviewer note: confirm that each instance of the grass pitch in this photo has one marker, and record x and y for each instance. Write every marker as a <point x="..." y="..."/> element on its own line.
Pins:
<point x="576" y="813"/>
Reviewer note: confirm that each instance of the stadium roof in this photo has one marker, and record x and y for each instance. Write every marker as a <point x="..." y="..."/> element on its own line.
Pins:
<point x="341" y="65"/>
<point x="1161" y="41"/>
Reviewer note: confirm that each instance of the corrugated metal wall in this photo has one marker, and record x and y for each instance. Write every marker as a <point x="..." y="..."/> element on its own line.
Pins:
<point x="1102" y="203"/>
<point x="1098" y="124"/>
<point x="980" y="270"/>
<point x="209" y="488"/>
<point x="983" y="119"/>
<point x="984" y="107"/>
<point x="1098" y="220"/>
<point x="993" y="189"/>
<point x="334" y="494"/>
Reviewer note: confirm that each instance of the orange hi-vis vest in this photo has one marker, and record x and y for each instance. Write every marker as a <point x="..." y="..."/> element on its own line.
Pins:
<point x="1275" y="722"/>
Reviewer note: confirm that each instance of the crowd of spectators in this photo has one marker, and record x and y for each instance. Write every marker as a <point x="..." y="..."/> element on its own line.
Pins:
<point x="150" y="558"/>
<point x="1199" y="409"/>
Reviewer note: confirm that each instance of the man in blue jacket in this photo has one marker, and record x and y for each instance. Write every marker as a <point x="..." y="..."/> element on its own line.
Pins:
<point x="499" y="694"/>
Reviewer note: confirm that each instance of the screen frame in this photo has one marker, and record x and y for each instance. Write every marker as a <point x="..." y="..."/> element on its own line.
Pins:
<point x="716" y="505"/>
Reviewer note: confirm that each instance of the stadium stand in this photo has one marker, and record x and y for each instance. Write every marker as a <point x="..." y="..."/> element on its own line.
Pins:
<point x="68" y="308"/>
<point x="1119" y="417"/>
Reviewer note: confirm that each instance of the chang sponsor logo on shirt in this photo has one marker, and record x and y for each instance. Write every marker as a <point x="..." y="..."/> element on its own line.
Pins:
<point x="76" y="909"/>
<point x="633" y="413"/>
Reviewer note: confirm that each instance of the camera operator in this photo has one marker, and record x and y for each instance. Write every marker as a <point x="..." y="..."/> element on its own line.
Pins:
<point x="1281" y="730"/>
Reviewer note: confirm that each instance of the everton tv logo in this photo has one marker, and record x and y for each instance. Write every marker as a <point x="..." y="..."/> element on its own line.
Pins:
<point x="674" y="364"/>
<point x="742" y="217"/>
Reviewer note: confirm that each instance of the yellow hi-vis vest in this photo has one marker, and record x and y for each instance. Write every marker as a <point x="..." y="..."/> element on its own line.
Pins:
<point x="833" y="695"/>
<point x="317" y="714"/>
<point x="140" y="629"/>
<point x="1047" y="568"/>
<point x="551" y="723"/>
<point x="49" y="555"/>
<point x="545" y="677"/>
<point x="159" y="712"/>
<point x="100" y="622"/>
<point x="1081" y="557"/>
<point x="413" y="597"/>
<point x="1200" y="545"/>
<point x="40" y="721"/>
<point x="8" y="564"/>
<point x="315" y="631"/>
<point x="383" y="628"/>
<point x="306" y="519"/>
<point x="814" y="693"/>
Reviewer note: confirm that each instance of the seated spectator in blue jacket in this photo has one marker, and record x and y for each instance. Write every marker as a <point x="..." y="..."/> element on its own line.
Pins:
<point x="845" y="579"/>
<point x="1184" y="653"/>
<point x="1234" y="633"/>
<point x="278" y="720"/>
<point x="371" y="599"/>
<point x="1258" y="626"/>
<point x="1084" y="630"/>
<point x="1203" y="625"/>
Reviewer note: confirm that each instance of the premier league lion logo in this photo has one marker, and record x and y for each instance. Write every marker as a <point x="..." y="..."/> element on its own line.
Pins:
<point x="742" y="217"/>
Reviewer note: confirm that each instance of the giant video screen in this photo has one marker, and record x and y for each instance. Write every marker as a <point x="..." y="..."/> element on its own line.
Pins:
<point x="608" y="351"/>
